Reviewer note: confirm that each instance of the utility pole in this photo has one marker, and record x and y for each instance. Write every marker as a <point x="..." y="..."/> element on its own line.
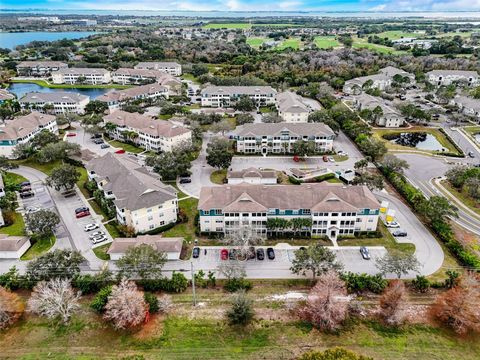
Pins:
<point x="193" y="284"/>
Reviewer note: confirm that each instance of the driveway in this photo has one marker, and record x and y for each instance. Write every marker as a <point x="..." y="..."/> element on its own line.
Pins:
<point x="83" y="139"/>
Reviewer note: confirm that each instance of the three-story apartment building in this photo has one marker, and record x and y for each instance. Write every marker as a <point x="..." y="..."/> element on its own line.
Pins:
<point x="332" y="209"/>
<point x="151" y="134"/>
<point x="22" y="129"/>
<point x="90" y="76"/>
<point x="171" y="68"/>
<point x="39" y="68"/>
<point x="225" y="96"/>
<point x="141" y="200"/>
<point x="279" y="138"/>
<point x="61" y="102"/>
<point x="447" y="77"/>
<point x="116" y="98"/>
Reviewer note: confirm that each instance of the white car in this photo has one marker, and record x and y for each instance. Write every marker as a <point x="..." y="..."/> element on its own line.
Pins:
<point x="331" y="159"/>
<point x="32" y="209"/>
<point x="97" y="234"/>
<point x="99" y="239"/>
<point x="90" y="227"/>
<point x="392" y="224"/>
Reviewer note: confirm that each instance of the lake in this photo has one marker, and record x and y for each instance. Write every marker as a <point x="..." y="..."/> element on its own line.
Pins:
<point x="20" y="89"/>
<point x="11" y="40"/>
<point x="418" y="140"/>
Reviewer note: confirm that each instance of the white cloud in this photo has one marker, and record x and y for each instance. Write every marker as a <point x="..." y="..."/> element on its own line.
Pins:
<point x="289" y="5"/>
<point x="428" y="5"/>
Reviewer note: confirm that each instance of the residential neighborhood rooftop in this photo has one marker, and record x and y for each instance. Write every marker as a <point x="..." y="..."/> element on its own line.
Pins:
<point x="272" y="129"/>
<point x="24" y="125"/>
<point x="56" y="96"/>
<point x="158" y="242"/>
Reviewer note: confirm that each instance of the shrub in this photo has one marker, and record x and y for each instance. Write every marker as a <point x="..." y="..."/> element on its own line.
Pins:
<point x="101" y="299"/>
<point x="241" y="311"/>
<point x="152" y="302"/>
<point x="235" y="284"/>
<point x="177" y="284"/>
<point x="11" y="308"/>
<point x="333" y="354"/>
<point x="89" y="284"/>
<point x="421" y="283"/>
<point x="364" y="282"/>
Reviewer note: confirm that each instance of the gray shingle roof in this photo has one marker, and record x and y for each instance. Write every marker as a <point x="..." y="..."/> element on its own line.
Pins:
<point x="24" y="125"/>
<point x="291" y="102"/>
<point x="453" y="72"/>
<point x="134" y="92"/>
<point x="317" y="197"/>
<point x="55" y="96"/>
<point x="133" y="186"/>
<point x="82" y="71"/>
<point x="252" y="172"/>
<point x="159" y="243"/>
<point x="238" y="90"/>
<point x="12" y="243"/>
<point x="273" y="129"/>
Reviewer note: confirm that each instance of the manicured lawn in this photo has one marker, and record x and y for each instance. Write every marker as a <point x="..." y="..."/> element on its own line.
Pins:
<point x="180" y="194"/>
<point x="98" y="210"/>
<point x="289" y="43"/>
<point x="441" y="138"/>
<point x="218" y="176"/>
<point x="39" y="247"/>
<point x="16" y="229"/>
<point x="470" y="202"/>
<point x="326" y="42"/>
<point x="398" y="34"/>
<point x="113" y="230"/>
<point x="67" y="86"/>
<point x="228" y="26"/>
<point x="45" y="168"/>
<point x="12" y="178"/>
<point x="187" y="229"/>
<point x="101" y="252"/>
<point x="340" y="158"/>
<point x="256" y="42"/>
<point x="127" y="147"/>
<point x="165" y="116"/>
<point x="363" y="44"/>
<point x="190" y="77"/>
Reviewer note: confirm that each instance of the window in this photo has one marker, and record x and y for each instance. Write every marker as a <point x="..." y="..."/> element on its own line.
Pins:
<point x="150" y="218"/>
<point x="151" y="227"/>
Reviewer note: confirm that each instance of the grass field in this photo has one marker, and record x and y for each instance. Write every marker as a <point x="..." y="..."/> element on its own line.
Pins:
<point x="218" y="176"/>
<point x="67" y="86"/>
<point x="245" y="25"/>
<point x="398" y="34"/>
<point x="326" y="42"/>
<point x="363" y="44"/>
<point x="101" y="252"/>
<point x="256" y="42"/>
<point x="127" y="147"/>
<point x="187" y="229"/>
<point x="289" y="43"/>
<point x="16" y="229"/>
<point x="39" y="247"/>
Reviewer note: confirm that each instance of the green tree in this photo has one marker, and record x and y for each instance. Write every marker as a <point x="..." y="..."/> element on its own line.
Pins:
<point x="55" y="264"/>
<point x="393" y="164"/>
<point x="219" y="153"/>
<point x="316" y="258"/>
<point x="64" y="176"/>
<point x="303" y="148"/>
<point x="43" y="222"/>
<point x="244" y="103"/>
<point x="397" y="263"/>
<point x="242" y="119"/>
<point x="96" y="107"/>
<point x="241" y="310"/>
<point x="372" y="181"/>
<point x="142" y="261"/>
<point x="437" y="209"/>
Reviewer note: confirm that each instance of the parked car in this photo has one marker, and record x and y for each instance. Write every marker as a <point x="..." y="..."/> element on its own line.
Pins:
<point x="71" y="134"/>
<point x="81" y="209"/>
<point x="98" y="141"/>
<point x="270" y="253"/>
<point x="26" y="194"/>
<point x="331" y="159"/>
<point x="185" y="180"/>
<point x="399" y="233"/>
<point x="325" y="158"/>
<point x="90" y="227"/>
<point x="69" y="193"/>
<point x="82" y="214"/>
<point x="121" y="151"/>
<point x="25" y="183"/>
<point x="365" y="253"/>
<point x="104" y="146"/>
<point x="392" y="224"/>
<point x="96" y="234"/>
<point x="232" y="254"/>
<point x="99" y="239"/>
<point x="196" y="252"/>
<point x="32" y="209"/>
<point x="25" y="188"/>
<point x="260" y="254"/>
<point x="402" y="97"/>
<point x="96" y="136"/>
<point x="251" y="253"/>
<point x="224" y="254"/>
<point x="471" y="154"/>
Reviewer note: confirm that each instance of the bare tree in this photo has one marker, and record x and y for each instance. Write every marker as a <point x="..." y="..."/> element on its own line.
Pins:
<point x="11" y="307"/>
<point x="232" y="269"/>
<point x="327" y="303"/>
<point x="164" y="304"/>
<point x="459" y="306"/>
<point x="242" y="238"/>
<point x="126" y="306"/>
<point x="392" y="303"/>
<point x="54" y="299"/>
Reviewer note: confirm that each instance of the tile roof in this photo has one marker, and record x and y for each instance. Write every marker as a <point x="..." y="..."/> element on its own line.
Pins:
<point x="159" y="243"/>
<point x="145" y="124"/>
<point x="272" y="129"/>
<point x="318" y="197"/>
<point x="24" y="125"/>
<point x="5" y="95"/>
<point x="133" y="186"/>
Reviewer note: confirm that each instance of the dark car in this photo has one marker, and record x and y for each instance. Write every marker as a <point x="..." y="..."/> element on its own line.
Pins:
<point x="399" y="233"/>
<point x="185" y="180"/>
<point x="69" y="193"/>
<point x="25" y="183"/>
<point x="98" y="141"/>
<point x="365" y="253"/>
<point x="251" y="253"/>
<point x="26" y="194"/>
<point x="25" y="188"/>
<point x="104" y="146"/>
<point x="96" y="136"/>
<point x="196" y="252"/>
<point x="232" y="254"/>
<point x="270" y="253"/>
<point x="260" y="254"/>
<point x="471" y="154"/>
<point x="81" y="209"/>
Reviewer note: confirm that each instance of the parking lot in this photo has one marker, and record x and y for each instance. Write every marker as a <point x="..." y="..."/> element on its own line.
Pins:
<point x="279" y="268"/>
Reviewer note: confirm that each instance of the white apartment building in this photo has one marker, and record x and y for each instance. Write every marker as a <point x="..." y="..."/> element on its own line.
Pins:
<point x="468" y="106"/>
<point x="62" y="101"/>
<point x="22" y="129"/>
<point x="90" y="76"/>
<point x="39" y="68"/>
<point x="447" y="77"/>
<point x="141" y="200"/>
<point x="278" y="138"/>
<point x="116" y="98"/>
<point x="334" y="210"/>
<point x="291" y="108"/>
<point x="390" y="117"/>
<point x="127" y="76"/>
<point x="380" y="81"/>
<point x="171" y="68"/>
<point x="152" y="134"/>
<point x="224" y="96"/>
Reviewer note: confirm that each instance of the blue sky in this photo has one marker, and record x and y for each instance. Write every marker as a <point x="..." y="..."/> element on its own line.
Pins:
<point x="248" y="5"/>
